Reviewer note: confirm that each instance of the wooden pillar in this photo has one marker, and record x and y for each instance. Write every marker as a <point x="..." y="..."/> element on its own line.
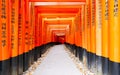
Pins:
<point x="114" y="37"/>
<point x="98" y="38"/>
<point x="4" y="38"/>
<point x="105" y="37"/>
<point x="14" y="4"/>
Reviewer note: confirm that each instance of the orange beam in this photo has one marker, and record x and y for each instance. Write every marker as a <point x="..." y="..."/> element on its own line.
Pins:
<point x="59" y="6"/>
<point x="60" y="15"/>
<point x="58" y="22"/>
<point x="56" y="10"/>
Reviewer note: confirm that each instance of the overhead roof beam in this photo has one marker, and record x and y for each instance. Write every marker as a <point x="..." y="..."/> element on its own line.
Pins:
<point x="58" y="3"/>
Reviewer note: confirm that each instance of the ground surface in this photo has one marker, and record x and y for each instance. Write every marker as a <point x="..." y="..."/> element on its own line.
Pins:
<point x="57" y="62"/>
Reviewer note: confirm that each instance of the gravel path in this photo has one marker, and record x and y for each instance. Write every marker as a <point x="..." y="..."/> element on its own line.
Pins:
<point x="57" y="62"/>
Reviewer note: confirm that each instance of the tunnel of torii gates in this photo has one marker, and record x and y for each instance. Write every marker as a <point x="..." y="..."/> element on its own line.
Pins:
<point x="90" y="26"/>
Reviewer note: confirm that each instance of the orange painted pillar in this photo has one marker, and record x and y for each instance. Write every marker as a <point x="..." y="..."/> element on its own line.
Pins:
<point x="31" y="19"/>
<point x="27" y="26"/>
<point x="82" y="27"/>
<point x="114" y="37"/>
<point x="33" y="30"/>
<point x="14" y="35"/>
<point x="78" y="31"/>
<point x="30" y="25"/>
<point x="92" y="35"/>
<point x="88" y="33"/>
<point x="72" y="34"/>
<point x="33" y="36"/>
<point x="36" y="27"/>
<point x="88" y="27"/>
<point x="98" y="37"/>
<point x="85" y="35"/>
<point x="30" y="33"/>
<point x="4" y="38"/>
<point x="23" y="30"/>
<point x="82" y="33"/>
<point x="67" y="34"/>
<point x="20" y="39"/>
<point x="105" y="37"/>
<point x="40" y="27"/>
<point x="39" y="36"/>
<point x="85" y="26"/>
<point x="78" y="41"/>
<point x="43" y="31"/>
<point x="46" y="33"/>
<point x="24" y="46"/>
<point x="36" y="34"/>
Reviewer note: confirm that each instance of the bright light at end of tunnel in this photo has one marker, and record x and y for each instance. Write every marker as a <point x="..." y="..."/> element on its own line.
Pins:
<point x="60" y="34"/>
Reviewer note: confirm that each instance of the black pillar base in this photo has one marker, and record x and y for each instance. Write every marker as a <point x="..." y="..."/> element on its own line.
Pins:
<point x="92" y="61"/>
<point x="99" y="65"/>
<point x="32" y="55"/>
<point x="114" y="68"/>
<point x="5" y="67"/>
<point x="28" y="58"/>
<point x="38" y="52"/>
<point x="85" y="61"/>
<point x="77" y="52"/>
<point x="25" y="61"/>
<point x="14" y="66"/>
<point x="105" y="63"/>
<point x="39" y="49"/>
<point x="20" y="64"/>
<point x="81" y="53"/>
<point x="88" y="60"/>
<point x="35" y="54"/>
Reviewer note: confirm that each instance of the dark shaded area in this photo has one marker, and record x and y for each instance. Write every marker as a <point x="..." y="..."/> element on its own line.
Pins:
<point x="20" y="64"/>
<point x="114" y="68"/>
<point x="5" y="67"/>
<point x="105" y="63"/>
<point x="25" y="61"/>
<point x="14" y="66"/>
